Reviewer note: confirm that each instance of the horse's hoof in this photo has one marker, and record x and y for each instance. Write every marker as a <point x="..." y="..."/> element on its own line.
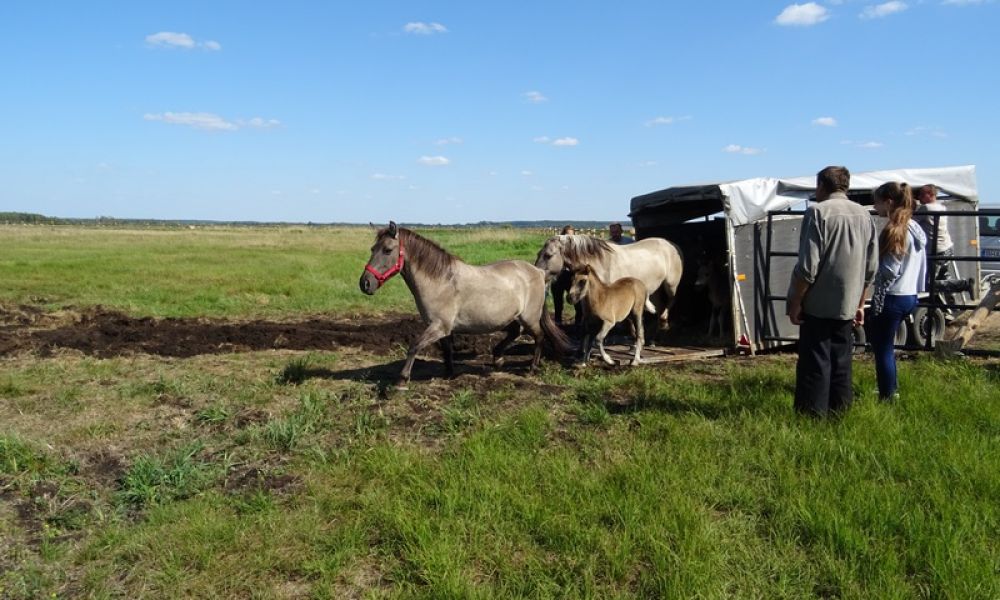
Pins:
<point x="580" y="364"/>
<point x="402" y="385"/>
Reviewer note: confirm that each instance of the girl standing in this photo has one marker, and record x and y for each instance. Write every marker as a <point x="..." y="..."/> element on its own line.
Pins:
<point x="901" y="275"/>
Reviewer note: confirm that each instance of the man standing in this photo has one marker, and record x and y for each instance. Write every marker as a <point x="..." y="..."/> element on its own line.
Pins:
<point x="615" y="229"/>
<point x="943" y="245"/>
<point x="838" y="257"/>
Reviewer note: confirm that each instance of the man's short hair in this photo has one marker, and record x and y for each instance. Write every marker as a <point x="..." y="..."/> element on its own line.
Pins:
<point x="834" y="179"/>
<point x="929" y="188"/>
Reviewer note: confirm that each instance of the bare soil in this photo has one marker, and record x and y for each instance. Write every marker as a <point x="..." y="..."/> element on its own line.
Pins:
<point x="105" y="333"/>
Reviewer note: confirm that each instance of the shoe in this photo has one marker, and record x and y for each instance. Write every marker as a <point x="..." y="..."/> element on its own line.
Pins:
<point x="970" y="286"/>
<point x="892" y="399"/>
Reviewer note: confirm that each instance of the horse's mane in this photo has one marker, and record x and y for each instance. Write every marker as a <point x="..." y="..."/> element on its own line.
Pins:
<point x="425" y="255"/>
<point x="581" y="248"/>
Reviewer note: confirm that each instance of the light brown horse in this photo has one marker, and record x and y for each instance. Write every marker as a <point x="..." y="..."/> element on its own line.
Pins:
<point x="456" y="297"/>
<point x="655" y="262"/>
<point x="607" y="305"/>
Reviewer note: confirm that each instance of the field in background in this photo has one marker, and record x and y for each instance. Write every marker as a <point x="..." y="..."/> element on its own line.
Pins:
<point x="219" y="272"/>
<point x="288" y="473"/>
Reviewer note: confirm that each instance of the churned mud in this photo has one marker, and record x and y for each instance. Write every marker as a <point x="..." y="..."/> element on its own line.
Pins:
<point x="105" y="333"/>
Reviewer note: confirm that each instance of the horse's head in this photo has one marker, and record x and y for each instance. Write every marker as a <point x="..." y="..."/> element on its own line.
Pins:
<point x="704" y="273"/>
<point x="386" y="260"/>
<point x="550" y="257"/>
<point x="709" y="268"/>
<point x="580" y="286"/>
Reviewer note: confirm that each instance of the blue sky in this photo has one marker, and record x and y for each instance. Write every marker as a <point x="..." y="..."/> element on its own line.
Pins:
<point x="458" y="112"/>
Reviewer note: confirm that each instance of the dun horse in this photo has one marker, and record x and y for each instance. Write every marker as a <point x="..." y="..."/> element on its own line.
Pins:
<point x="608" y="305"/>
<point x="455" y="297"/>
<point x="653" y="261"/>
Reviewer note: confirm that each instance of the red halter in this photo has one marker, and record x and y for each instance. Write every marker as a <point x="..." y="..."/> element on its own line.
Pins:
<point x="383" y="277"/>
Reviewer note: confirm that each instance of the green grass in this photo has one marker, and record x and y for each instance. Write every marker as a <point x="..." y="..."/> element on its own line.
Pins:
<point x="154" y="480"/>
<point x="212" y="476"/>
<point x="697" y="481"/>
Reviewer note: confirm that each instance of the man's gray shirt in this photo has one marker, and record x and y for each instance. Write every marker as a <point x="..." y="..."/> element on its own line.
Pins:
<point x="838" y="257"/>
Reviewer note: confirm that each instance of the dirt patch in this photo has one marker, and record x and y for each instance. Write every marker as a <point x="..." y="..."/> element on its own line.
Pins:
<point x="107" y="333"/>
<point x="106" y="465"/>
<point x="256" y="479"/>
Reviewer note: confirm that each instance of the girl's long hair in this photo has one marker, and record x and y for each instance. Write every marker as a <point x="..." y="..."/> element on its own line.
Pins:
<point x="899" y="197"/>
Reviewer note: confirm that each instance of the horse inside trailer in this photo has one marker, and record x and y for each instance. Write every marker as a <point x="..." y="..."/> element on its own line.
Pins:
<point x="752" y="226"/>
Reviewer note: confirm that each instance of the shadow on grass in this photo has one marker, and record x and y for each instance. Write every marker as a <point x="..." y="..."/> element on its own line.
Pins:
<point x="709" y="400"/>
<point x="385" y="376"/>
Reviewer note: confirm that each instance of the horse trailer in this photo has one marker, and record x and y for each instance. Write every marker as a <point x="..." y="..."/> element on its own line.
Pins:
<point x="754" y="224"/>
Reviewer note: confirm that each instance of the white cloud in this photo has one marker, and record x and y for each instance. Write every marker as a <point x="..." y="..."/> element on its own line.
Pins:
<point x="260" y="123"/>
<point x="210" y="121"/>
<point x="206" y="121"/>
<point x="535" y="97"/>
<point x="433" y="161"/>
<point x="825" y="121"/>
<point x="660" y="121"/>
<point x="877" y="11"/>
<point x="172" y="39"/>
<point x="870" y="145"/>
<point x="421" y="28"/>
<point x="449" y="140"/>
<point x="922" y="129"/>
<point x="656" y="121"/>
<point x="964" y="2"/>
<point x="563" y="141"/>
<point x="527" y="173"/>
<point x="385" y="177"/>
<point x="802" y="15"/>
<point x="737" y="149"/>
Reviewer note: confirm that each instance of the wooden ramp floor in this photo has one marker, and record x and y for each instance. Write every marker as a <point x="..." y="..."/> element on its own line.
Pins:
<point x="622" y="353"/>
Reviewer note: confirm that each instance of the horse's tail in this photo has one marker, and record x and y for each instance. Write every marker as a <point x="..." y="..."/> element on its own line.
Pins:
<point x="560" y="341"/>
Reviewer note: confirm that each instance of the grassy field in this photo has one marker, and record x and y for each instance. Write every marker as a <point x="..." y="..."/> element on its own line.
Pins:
<point x="284" y="474"/>
<point x="218" y="272"/>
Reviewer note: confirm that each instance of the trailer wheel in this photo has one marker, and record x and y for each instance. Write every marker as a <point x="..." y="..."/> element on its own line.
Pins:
<point x="860" y="339"/>
<point x="924" y="322"/>
<point x="902" y="333"/>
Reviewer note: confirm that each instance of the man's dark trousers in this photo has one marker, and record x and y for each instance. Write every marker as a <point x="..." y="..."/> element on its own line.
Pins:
<point x="823" y="372"/>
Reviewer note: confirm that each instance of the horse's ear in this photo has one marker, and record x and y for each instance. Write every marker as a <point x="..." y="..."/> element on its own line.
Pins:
<point x="393" y="230"/>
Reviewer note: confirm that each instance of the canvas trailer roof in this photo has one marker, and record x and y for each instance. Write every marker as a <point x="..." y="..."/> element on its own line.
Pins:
<point x="749" y="200"/>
